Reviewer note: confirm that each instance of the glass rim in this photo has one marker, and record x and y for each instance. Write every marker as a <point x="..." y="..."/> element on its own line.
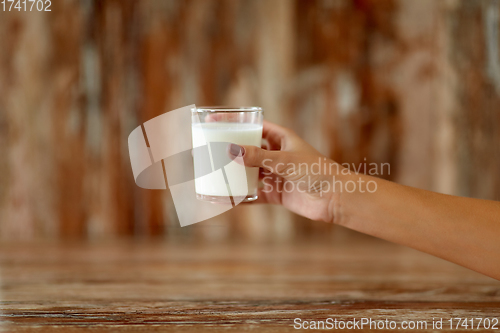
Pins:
<point x="228" y="109"/>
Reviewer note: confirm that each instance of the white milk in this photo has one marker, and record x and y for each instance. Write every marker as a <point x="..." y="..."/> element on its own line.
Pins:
<point x="238" y="133"/>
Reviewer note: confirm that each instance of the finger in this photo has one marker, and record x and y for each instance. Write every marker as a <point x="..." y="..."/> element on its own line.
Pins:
<point x="265" y="145"/>
<point x="262" y="173"/>
<point x="274" y="134"/>
<point x="274" y="161"/>
<point x="271" y="193"/>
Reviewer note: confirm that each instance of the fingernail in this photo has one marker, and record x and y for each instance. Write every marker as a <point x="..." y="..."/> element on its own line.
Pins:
<point x="236" y="150"/>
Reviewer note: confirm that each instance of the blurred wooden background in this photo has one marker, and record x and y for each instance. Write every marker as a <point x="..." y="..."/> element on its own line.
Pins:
<point x="412" y="83"/>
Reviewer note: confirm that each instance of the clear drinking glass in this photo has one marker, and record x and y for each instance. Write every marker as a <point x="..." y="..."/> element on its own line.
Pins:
<point x="219" y="179"/>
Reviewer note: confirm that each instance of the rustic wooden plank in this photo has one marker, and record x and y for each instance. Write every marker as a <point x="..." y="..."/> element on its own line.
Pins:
<point x="203" y="286"/>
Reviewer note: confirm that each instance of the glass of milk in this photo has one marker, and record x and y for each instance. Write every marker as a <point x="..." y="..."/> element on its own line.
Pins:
<point x="218" y="178"/>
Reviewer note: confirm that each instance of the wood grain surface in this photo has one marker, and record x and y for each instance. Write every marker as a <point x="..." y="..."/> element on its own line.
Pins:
<point x="157" y="286"/>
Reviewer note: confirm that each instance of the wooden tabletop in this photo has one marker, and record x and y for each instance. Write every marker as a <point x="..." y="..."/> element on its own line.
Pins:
<point x="160" y="286"/>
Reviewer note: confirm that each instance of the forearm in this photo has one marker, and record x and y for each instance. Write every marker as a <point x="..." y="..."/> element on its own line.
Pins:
<point x="462" y="230"/>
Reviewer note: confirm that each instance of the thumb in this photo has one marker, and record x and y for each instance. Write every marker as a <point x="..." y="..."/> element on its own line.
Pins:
<point x="275" y="161"/>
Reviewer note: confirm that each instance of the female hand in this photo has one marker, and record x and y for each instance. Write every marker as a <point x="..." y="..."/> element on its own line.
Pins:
<point x="288" y="176"/>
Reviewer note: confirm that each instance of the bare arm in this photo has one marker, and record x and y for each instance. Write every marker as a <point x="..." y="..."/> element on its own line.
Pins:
<point x="462" y="230"/>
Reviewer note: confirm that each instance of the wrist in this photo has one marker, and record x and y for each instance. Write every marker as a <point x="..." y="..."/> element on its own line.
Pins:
<point x="336" y="203"/>
<point x="345" y="191"/>
<point x="335" y="208"/>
